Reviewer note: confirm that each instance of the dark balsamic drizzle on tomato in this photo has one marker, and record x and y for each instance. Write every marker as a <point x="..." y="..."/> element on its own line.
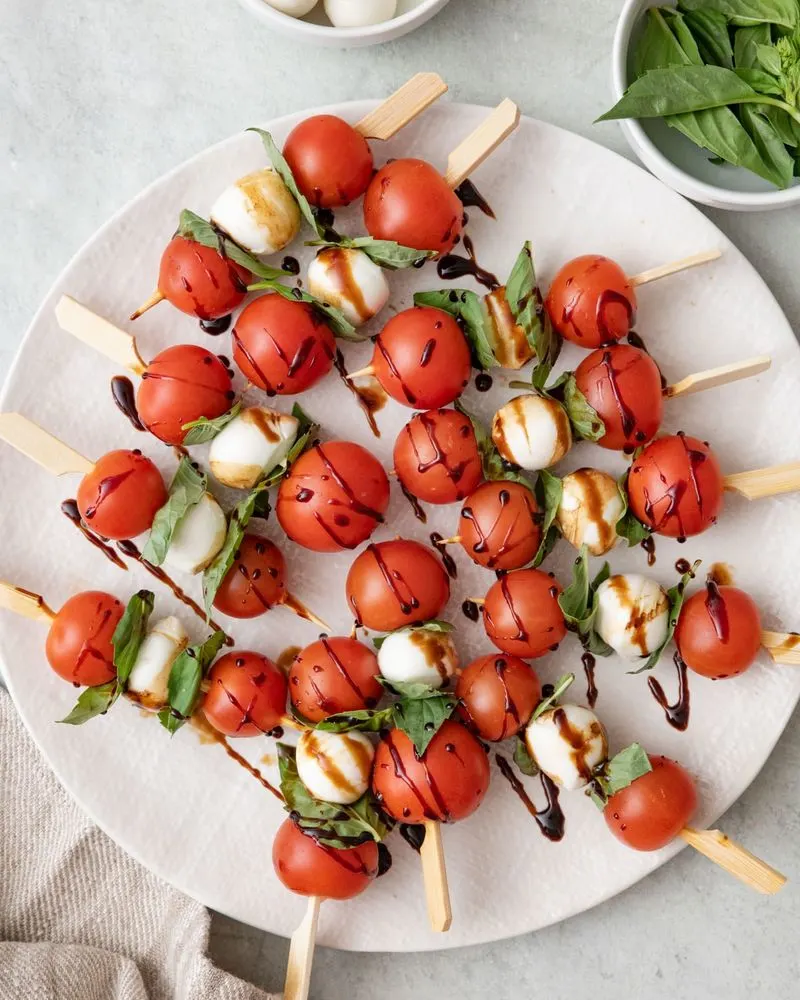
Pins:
<point x="124" y="397"/>
<point x="416" y="506"/>
<point x="370" y="399"/>
<point x="677" y="714"/>
<point x="452" y="266"/>
<point x="636" y="341"/>
<point x="395" y="582"/>
<point x="470" y="197"/>
<point x="69" y="508"/>
<point x="427" y="422"/>
<point x="440" y="813"/>
<point x="448" y="561"/>
<point x="717" y="612"/>
<point x="550" y="820"/>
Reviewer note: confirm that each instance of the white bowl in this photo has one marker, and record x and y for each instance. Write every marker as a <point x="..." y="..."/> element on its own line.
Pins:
<point x="671" y="156"/>
<point x="316" y="29"/>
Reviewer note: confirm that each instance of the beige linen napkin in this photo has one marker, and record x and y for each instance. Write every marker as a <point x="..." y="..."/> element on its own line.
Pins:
<point x="79" y="919"/>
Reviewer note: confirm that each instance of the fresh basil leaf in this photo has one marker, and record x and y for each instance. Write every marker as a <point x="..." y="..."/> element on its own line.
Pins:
<point x="409" y="689"/>
<point x="769" y="59"/>
<point x="676" y="596"/>
<point x="130" y="632"/>
<point x="579" y="606"/>
<point x="750" y="12"/>
<point x="203" y="430"/>
<point x="548" y="493"/>
<point x="466" y="307"/>
<point x="658" y="47"/>
<point x="583" y="418"/>
<point x="281" y="167"/>
<point x="363" y="721"/>
<point x="552" y="699"/>
<point x="306" y="432"/>
<point x="193" y="227"/>
<point x="619" y="772"/>
<point x="769" y="144"/>
<point x="760" y="81"/>
<point x="494" y="466"/>
<point x="422" y="718"/>
<point x="215" y="573"/>
<point x="745" y="45"/>
<point x="523" y="759"/>
<point x="188" y="670"/>
<point x="92" y="702"/>
<point x="629" y="526"/>
<point x="170" y="721"/>
<point x="335" y="318"/>
<point x="710" y="31"/>
<point x="525" y="301"/>
<point x="684" y="37"/>
<point x="385" y="253"/>
<point x="187" y="489"/>
<point x="680" y="89"/>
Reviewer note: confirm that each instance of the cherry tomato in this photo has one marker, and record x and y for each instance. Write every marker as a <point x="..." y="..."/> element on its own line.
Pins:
<point x="521" y="613"/>
<point x="498" y="695"/>
<point x="120" y="496"/>
<point x="623" y="385"/>
<point x="654" y="808"/>
<point x="334" y="497"/>
<point x="408" y="201"/>
<point x="719" y="631"/>
<point x="199" y="281"/>
<point x="331" y="162"/>
<point x="396" y="583"/>
<point x="246" y="694"/>
<point x="334" y="675"/>
<point x="180" y="385"/>
<point x="310" y="867"/>
<point x="79" y="646"/>
<point x="447" y="784"/>
<point x="591" y="302"/>
<point x="436" y="456"/>
<point x="500" y="526"/>
<point x="256" y="580"/>
<point x="676" y="487"/>
<point x="283" y="346"/>
<point x="422" y="358"/>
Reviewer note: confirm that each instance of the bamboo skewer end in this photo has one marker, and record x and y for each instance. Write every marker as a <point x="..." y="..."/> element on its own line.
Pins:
<point x="769" y="482"/>
<point x="715" y="377"/>
<point x="434" y="874"/>
<point x="155" y="298"/>
<point x="471" y="153"/>
<point x="402" y="107"/>
<point x="783" y="647"/>
<point x="665" y="270"/>
<point x="296" y="606"/>
<point x="36" y="444"/>
<point x="301" y="953"/>
<point x="99" y="334"/>
<point x="26" y="603"/>
<point x="735" y="859"/>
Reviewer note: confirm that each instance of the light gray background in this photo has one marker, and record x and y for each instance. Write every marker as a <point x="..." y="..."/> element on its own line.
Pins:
<point x="98" y="98"/>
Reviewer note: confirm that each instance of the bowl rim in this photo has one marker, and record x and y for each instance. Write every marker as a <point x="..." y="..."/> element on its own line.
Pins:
<point x="652" y="156"/>
<point x="309" y="30"/>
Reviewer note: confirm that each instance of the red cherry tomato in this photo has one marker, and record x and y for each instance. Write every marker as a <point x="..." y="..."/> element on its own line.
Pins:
<point x="422" y="358"/>
<point x="654" y="808"/>
<point x="676" y="486"/>
<point x="719" y="631"/>
<point x="623" y="385"/>
<point x="498" y="695"/>
<point x="283" y="346"/>
<point x="180" y="385"/>
<point x="408" y="201"/>
<point x="331" y="162"/>
<point x="311" y="868"/>
<point x="333" y="498"/>
<point x="256" y="580"/>
<point x="120" y="496"/>
<point x="199" y="281"/>
<point x="246" y="694"/>
<point x="78" y="644"/>
<point x="447" y="784"/>
<point x="396" y="583"/>
<point x="499" y="525"/>
<point x="521" y="613"/>
<point x="334" y="675"/>
<point x="436" y="456"/>
<point x="591" y="302"/>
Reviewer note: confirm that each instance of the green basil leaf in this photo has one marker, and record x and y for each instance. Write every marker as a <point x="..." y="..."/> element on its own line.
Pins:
<point x="617" y="773"/>
<point x="679" y="89"/>
<point x="658" y="47"/>
<point x="578" y="603"/>
<point x="583" y="418"/>
<point x="469" y="310"/>
<point x="306" y="432"/>
<point x="193" y="227"/>
<point x="629" y="526"/>
<point x="409" y="689"/>
<point x="523" y="759"/>
<point x="745" y="45"/>
<point x="525" y="301"/>
<point x="750" y="12"/>
<point x="710" y="31"/>
<point x="335" y="318"/>
<point x="170" y="721"/>
<point x="494" y="467"/>
<point x="684" y="37"/>
<point x="385" y="253"/>
<point x="552" y="699"/>
<point x="422" y="718"/>
<point x="769" y="59"/>
<point x="92" y="702"/>
<point x="281" y="167"/>
<point x="676" y="596"/>
<point x="215" y="573"/>
<point x="203" y="430"/>
<point x="769" y="145"/>
<point x="548" y="493"/>
<point x="188" y="670"/>
<point x="187" y="489"/>
<point x="130" y="632"/>
<point x="363" y="721"/>
<point x="760" y="81"/>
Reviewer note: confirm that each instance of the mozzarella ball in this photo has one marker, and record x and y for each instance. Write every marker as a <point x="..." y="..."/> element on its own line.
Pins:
<point x="258" y="212"/>
<point x="198" y="537"/>
<point x="359" y="13"/>
<point x="335" y="767"/>
<point x="294" y="8"/>
<point x="509" y="343"/>
<point x="567" y="743"/>
<point x="147" y="683"/>
<point x="632" y="615"/>
<point x="251" y="446"/>
<point x="589" y="510"/>
<point x="532" y="432"/>
<point x="348" y="280"/>
<point x="418" y="656"/>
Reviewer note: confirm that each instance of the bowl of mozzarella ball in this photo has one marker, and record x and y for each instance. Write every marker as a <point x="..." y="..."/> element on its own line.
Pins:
<point x="344" y="22"/>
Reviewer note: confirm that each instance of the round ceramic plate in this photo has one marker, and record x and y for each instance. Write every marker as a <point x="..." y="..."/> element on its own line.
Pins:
<point x="200" y="821"/>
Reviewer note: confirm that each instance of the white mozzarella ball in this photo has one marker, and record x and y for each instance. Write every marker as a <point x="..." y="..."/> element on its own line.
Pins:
<point x="418" y="656"/>
<point x="198" y="537"/>
<point x="258" y="212"/>
<point x="589" y="510"/>
<point x="147" y="683"/>
<point x="632" y="614"/>
<point x="359" y="13"/>
<point x="509" y="344"/>
<point x="294" y="8"/>
<point x="567" y="743"/>
<point x="335" y="767"/>
<point x="348" y="280"/>
<point x="251" y="445"/>
<point x="532" y="432"/>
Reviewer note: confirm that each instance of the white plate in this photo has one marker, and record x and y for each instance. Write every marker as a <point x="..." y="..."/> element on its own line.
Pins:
<point x="198" y="820"/>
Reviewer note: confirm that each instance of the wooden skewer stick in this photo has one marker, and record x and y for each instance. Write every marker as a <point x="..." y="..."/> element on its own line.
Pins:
<point x="25" y="602"/>
<point x="35" y="443"/>
<point x="477" y="600"/>
<point x="301" y="953"/>
<point x="783" y="647"/>
<point x="361" y="373"/>
<point x="288" y="722"/>
<point x="735" y="859"/>
<point x="403" y="106"/>
<point x="678" y="265"/>
<point x="99" y="333"/>
<point x="155" y="298"/>
<point x="434" y="875"/>
<point x="714" y="377"/>
<point x="471" y="153"/>
<point x="292" y="603"/>
<point x="769" y="482"/>
<point x="455" y="540"/>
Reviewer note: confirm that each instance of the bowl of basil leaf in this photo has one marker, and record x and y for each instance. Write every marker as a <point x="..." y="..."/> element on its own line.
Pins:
<point x="708" y="96"/>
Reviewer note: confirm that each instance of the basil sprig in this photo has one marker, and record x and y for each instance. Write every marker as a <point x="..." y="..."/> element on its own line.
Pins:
<point x="185" y="677"/>
<point x="434" y="625"/>
<point x="335" y="318"/>
<point x="217" y="570"/>
<point x="619" y="772"/>
<point x="92" y="702"/>
<point x="495" y="467"/>
<point x="306" y="432"/>
<point x="334" y="825"/>
<point x="203" y="430"/>
<point x="522" y="756"/>
<point x="628" y="525"/>
<point x="194" y="227"/>
<point x="187" y="489"/>
<point x="560" y="686"/>
<point x="676" y="596"/>
<point x="583" y="418"/>
<point x="468" y="308"/>
<point x="282" y="168"/>
<point x="525" y="301"/>
<point x="385" y="253"/>
<point x="578" y="604"/>
<point x="523" y="759"/>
